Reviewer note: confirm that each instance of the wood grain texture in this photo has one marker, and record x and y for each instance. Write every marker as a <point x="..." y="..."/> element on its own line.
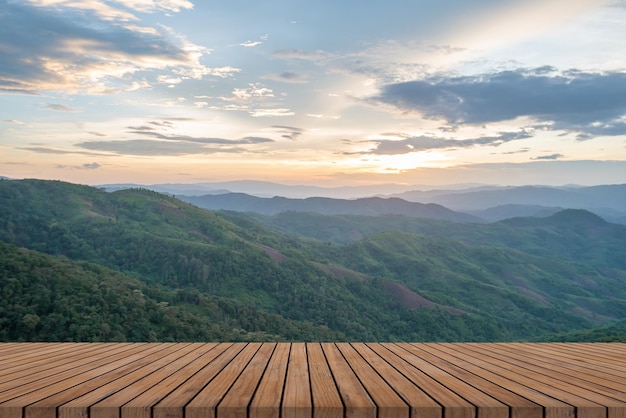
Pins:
<point x="312" y="380"/>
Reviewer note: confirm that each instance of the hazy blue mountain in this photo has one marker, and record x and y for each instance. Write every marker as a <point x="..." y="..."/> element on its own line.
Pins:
<point x="365" y="206"/>
<point x="268" y="189"/>
<point x="590" y="198"/>
<point x="498" y="213"/>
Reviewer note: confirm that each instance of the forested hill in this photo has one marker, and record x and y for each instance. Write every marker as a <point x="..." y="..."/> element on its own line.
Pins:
<point x="138" y="265"/>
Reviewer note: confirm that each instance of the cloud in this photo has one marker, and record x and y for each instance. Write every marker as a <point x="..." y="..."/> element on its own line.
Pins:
<point x="149" y="6"/>
<point x="46" y="150"/>
<point x="289" y="132"/>
<point x="59" y="107"/>
<point x="258" y="113"/>
<point x="425" y="143"/>
<point x="287" y="77"/>
<point x="96" y="133"/>
<point x="173" y="145"/>
<point x="88" y="46"/>
<point x="14" y="121"/>
<point x="549" y="157"/>
<point x="592" y="104"/>
<point x="203" y="140"/>
<point x="316" y="56"/>
<point x="249" y="44"/>
<point x="91" y="166"/>
<point x="148" y="147"/>
<point x="253" y="91"/>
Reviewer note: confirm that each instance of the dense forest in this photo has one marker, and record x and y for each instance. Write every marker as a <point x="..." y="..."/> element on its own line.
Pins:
<point x="82" y="264"/>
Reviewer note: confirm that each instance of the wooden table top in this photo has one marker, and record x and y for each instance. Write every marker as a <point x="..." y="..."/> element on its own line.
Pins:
<point x="326" y="380"/>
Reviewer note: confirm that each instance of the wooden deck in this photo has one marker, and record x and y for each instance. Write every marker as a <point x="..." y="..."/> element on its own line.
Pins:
<point x="201" y="380"/>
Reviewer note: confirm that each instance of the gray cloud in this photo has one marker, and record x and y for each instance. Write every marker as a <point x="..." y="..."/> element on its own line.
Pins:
<point x="287" y="77"/>
<point x="66" y="48"/>
<point x="162" y="144"/>
<point x="588" y="103"/>
<point x="148" y="147"/>
<point x="289" y="132"/>
<point x="59" y="107"/>
<point x="91" y="166"/>
<point x="426" y="143"/>
<point x="549" y="157"/>
<point x="203" y="140"/>
<point x="44" y="150"/>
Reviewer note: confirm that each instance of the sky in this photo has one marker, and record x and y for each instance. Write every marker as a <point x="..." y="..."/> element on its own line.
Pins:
<point x="317" y="93"/>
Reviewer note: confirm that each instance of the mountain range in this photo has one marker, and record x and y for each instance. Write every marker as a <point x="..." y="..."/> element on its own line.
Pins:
<point x="83" y="264"/>
<point x="489" y="203"/>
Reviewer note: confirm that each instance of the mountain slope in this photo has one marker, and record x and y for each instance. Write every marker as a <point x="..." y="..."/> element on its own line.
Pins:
<point x="48" y="298"/>
<point x="365" y="206"/>
<point x="572" y="235"/>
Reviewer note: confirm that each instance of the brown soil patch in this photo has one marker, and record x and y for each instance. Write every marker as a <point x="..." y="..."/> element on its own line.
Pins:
<point x="412" y="300"/>
<point x="273" y="253"/>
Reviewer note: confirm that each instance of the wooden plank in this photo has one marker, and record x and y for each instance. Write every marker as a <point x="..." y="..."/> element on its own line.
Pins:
<point x="27" y="365"/>
<point x="486" y="406"/>
<point x="551" y="362"/>
<point x="584" y="408"/>
<point x="592" y="355"/>
<point x="25" y="353"/>
<point x="172" y="406"/>
<point x="519" y="406"/>
<point x="13" y="408"/>
<point x="387" y="401"/>
<point x="121" y="374"/>
<point x="576" y="385"/>
<point x="324" y="393"/>
<point x="133" y="384"/>
<point x="266" y="401"/>
<point x="297" y="400"/>
<point x="454" y="405"/>
<point x="552" y="408"/>
<point x="235" y="402"/>
<point x="204" y="404"/>
<point x="141" y="406"/>
<point x="356" y="400"/>
<point x="68" y="370"/>
<point x="557" y="357"/>
<point x="420" y="404"/>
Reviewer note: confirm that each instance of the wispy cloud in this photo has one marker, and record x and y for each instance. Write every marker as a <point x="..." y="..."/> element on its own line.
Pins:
<point x="287" y="77"/>
<point x="259" y="113"/>
<point x="202" y="140"/>
<point x="154" y="143"/>
<point x="425" y="143"/>
<point x="289" y="132"/>
<point x="147" y="147"/>
<point x="549" y="157"/>
<point x="91" y="166"/>
<point x="60" y="107"/>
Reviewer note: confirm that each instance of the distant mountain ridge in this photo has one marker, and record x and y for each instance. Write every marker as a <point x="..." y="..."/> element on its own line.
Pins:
<point x="241" y="202"/>
<point x="590" y="198"/>
<point x="489" y="202"/>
